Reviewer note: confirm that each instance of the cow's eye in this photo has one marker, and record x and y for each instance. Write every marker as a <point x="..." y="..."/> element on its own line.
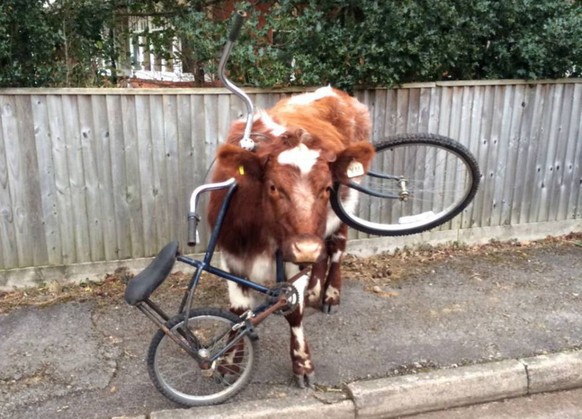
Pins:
<point x="272" y="188"/>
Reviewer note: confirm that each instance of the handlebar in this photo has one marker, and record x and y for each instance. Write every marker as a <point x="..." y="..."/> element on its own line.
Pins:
<point x="239" y="19"/>
<point x="193" y="217"/>
<point x="193" y="237"/>
<point x="246" y="142"/>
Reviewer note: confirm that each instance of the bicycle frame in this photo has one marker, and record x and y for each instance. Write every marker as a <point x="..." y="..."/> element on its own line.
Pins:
<point x="250" y="319"/>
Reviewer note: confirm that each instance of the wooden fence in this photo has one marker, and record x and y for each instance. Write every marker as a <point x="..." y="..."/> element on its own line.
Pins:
<point x="92" y="175"/>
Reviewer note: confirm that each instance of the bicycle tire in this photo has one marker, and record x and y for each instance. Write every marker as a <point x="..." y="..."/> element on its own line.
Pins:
<point x="178" y="376"/>
<point x="441" y="177"/>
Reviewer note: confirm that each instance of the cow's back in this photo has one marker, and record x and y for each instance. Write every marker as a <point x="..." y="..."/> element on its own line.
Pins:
<point x="332" y="117"/>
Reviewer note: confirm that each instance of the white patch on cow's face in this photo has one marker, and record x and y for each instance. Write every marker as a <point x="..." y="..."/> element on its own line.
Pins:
<point x="275" y="128"/>
<point x="307" y="98"/>
<point x="303" y="197"/>
<point x="301" y="156"/>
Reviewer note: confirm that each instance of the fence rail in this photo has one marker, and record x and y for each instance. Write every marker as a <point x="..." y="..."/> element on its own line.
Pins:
<point x="91" y="175"/>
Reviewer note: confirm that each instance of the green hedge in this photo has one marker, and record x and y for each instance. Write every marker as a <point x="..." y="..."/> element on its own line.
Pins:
<point x="346" y="43"/>
<point x="371" y="42"/>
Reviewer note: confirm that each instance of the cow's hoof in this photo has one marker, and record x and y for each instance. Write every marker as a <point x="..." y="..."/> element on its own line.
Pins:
<point x="305" y="381"/>
<point x="329" y="308"/>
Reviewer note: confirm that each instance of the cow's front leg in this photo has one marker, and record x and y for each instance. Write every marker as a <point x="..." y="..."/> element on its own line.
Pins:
<point x="336" y="247"/>
<point x="300" y="356"/>
<point x="303" y="369"/>
<point x="316" y="281"/>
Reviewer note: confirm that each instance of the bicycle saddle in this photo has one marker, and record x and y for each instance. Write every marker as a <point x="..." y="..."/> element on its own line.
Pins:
<point x="142" y="285"/>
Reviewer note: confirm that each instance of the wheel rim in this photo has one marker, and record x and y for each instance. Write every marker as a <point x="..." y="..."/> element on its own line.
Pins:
<point x="183" y="380"/>
<point x="439" y="182"/>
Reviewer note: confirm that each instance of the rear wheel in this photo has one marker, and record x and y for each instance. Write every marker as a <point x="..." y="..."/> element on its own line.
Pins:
<point x="415" y="183"/>
<point x="179" y="377"/>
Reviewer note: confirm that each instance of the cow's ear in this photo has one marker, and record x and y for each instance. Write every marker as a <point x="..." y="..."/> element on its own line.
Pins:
<point x="239" y="162"/>
<point x="352" y="162"/>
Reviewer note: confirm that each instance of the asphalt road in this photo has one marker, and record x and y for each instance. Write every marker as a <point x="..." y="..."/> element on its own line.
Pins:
<point x="86" y="359"/>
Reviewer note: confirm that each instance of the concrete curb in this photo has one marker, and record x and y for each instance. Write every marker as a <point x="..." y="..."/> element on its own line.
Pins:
<point x="411" y="394"/>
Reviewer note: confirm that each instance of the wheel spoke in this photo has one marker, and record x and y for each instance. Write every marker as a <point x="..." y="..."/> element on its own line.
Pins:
<point x="440" y="177"/>
<point x="178" y="376"/>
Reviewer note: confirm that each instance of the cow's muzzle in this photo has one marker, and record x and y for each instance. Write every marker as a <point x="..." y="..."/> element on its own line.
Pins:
<point x="303" y="249"/>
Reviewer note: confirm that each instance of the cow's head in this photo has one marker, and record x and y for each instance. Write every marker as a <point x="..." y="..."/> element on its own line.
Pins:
<point x="291" y="188"/>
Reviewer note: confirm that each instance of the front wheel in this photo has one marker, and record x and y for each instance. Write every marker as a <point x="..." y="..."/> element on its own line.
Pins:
<point x="415" y="183"/>
<point x="179" y="377"/>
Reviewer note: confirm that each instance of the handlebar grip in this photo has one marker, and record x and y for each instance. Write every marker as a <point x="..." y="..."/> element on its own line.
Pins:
<point x="237" y="23"/>
<point x="192" y="229"/>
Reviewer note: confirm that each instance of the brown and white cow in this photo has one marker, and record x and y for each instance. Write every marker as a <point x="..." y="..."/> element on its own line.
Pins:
<point x="305" y="143"/>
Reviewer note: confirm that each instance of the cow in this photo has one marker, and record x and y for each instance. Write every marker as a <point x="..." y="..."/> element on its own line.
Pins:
<point x="305" y="144"/>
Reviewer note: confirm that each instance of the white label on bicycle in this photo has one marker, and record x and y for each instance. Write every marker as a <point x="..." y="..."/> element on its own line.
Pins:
<point x="355" y="169"/>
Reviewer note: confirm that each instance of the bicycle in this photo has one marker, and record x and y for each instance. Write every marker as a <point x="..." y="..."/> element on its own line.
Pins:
<point x="205" y="356"/>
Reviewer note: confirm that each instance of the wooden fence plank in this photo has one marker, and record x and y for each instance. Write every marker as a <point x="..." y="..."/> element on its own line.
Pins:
<point x="472" y="142"/>
<point x="132" y="173"/>
<point x="76" y="173"/>
<point x="172" y="166"/>
<point x="160" y="190"/>
<point x="413" y="110"/>
<point x="102" y="149"/>
<point x="186" y="165"/>
<point x="200" y="161"/>
<point x="8" y="231"/>
<point x="449" y="116"/>
<point x="483" y="199"/>
<point x="573" y="160"/>
<point x="90" y="162"/>
<point x="118" y="176"/>
<point x="390" y="118"/>
<point x="29" y="186"/>
<point x="537" y="106"/>
<point x="463" y="136"/>
<point x="48" y="191"/>
<point x="546" y="162"/>
<point x="59" y="156"/>
<point x="557" y="208"/>
<point x="401" y="111"/>
<point x="502" y="144"/>
<point x="14" y="143"/>
<point x="515" y="181"/>
<point x="511" y="133"/>
<point x="146" y="175"/>
<point x="424" y="110"/>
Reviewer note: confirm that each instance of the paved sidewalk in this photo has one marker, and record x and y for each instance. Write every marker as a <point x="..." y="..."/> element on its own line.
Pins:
<point x="466" y="329"/>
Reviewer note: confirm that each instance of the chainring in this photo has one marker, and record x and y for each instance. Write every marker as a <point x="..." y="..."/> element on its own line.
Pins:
<point x="289" y="292"/>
